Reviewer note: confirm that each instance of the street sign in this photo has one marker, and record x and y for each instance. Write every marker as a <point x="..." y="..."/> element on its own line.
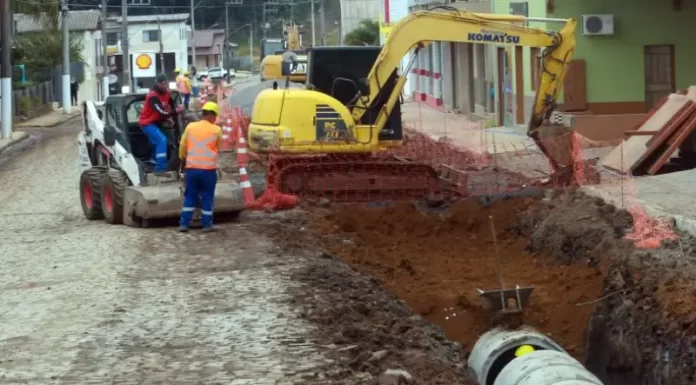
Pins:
<point x="144" y="65"/>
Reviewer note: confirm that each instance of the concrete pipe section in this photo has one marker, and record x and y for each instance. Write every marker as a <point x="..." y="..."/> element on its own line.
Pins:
<point x="525" y="357"/>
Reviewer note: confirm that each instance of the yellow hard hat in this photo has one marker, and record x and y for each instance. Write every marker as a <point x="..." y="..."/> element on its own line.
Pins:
<point x="186" y="73"/>
<point x="177" y="70"/>
<point x="524" y="349"/>
<point x="211" y="107"/>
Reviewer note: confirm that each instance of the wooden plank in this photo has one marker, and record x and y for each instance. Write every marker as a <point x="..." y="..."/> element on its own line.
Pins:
<point x="674" y="144"/>
<point x="657" y="147"/>
<point x="624" y="156"/>
<point x="641" y="133"/>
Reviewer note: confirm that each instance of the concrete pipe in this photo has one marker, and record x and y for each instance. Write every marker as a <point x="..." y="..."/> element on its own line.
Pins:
<point x="493" y="361"/>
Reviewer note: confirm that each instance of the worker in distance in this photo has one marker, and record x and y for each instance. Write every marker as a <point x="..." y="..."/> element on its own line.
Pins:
<point x="198" y="151"/>
<point x="159" y="111"/>
<point x="183" y="85"/>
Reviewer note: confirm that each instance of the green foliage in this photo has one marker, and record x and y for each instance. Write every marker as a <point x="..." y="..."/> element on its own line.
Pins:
<point x="42" y="51"/>
<point x="24" y="105"/>
<point x="36" y="102"/>
<point x="366" y="34"/>
<point x="48" y="10"/>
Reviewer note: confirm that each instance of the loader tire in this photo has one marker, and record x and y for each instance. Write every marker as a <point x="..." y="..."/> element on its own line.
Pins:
<point x="90" y="192"/>
<point x="112" y="189"/>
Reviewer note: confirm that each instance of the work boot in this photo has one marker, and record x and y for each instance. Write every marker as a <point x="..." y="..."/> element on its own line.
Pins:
<point x="183" y="229"/>
<point x="209" y="229"/>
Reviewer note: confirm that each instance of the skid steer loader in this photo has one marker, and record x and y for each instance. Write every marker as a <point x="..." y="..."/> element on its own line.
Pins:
<point x="117" y="181"/>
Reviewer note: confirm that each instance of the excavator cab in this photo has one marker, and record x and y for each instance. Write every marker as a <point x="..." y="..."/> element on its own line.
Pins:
<point x="327" y="72"/>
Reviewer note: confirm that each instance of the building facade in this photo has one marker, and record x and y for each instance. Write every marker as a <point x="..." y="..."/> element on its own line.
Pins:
<point x="164" y="36"/>
<point x="453" y="77"/>
<point x="210" y="45"/>
<point x="624" y="62"/>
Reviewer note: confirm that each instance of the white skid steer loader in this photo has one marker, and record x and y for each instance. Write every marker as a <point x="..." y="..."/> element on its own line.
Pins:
<point x="118" y="182"/>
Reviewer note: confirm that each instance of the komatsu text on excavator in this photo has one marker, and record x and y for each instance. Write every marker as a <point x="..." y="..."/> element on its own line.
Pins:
<point x="335" y="135"/>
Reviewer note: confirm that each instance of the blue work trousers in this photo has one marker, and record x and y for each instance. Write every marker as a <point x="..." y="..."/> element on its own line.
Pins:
<point x="200" y="184"/>
<point x="158" y="142"/>
<point x="187" y="100"/>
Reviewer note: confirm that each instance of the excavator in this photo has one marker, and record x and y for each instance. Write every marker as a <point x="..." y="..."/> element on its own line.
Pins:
<point x="289" y="64"/>
<point x="333" y="139"/>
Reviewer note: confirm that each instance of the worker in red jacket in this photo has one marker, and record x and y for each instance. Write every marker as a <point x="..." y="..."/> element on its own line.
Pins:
<point x="159" y="110"/>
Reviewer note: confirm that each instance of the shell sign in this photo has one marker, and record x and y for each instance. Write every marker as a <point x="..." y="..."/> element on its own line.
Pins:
<point x="143" y="61"/>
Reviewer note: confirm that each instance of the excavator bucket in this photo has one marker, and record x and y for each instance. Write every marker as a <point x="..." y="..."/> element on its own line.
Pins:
<point x="510" y="301"/>
<point x="162" y="198"/>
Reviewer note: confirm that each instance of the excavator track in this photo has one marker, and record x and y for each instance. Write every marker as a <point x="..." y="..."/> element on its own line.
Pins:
<point x="353" y="178"/>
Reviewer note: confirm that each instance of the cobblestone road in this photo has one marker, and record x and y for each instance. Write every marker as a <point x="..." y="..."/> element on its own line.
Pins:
<point x="87" y="303"/>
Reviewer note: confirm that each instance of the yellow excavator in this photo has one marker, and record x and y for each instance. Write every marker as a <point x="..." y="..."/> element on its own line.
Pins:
<point x="330" y="139"/>
<point x="291" y="63"/>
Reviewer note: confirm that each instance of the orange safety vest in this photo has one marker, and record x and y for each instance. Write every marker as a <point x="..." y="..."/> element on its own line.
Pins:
<point x="201" y="145"/>
<point x="181" y="84"/>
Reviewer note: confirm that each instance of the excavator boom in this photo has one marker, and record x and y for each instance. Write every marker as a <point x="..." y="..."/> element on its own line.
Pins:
<point x="419" y="28"/>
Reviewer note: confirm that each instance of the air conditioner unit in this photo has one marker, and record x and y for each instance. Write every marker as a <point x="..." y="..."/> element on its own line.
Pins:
<point x="597" y="25"/>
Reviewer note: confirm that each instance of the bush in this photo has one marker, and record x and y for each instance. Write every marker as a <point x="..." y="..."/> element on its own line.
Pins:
<point x="36" y="102"/>
<point x="25" y="106"/>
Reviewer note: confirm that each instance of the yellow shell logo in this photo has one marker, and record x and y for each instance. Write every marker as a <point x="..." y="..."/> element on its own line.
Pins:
<point x="143" y="61"/>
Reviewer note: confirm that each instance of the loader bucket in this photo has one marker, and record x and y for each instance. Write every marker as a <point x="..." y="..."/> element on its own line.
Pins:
<point x="165" y="200"/>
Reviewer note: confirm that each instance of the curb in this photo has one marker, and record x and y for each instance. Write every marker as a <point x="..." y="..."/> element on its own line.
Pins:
<point x="23" y="136"/>
<point x="61" y="120"/>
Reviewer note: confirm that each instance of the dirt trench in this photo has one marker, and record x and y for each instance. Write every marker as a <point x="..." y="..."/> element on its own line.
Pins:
<point x="629" y="314"/>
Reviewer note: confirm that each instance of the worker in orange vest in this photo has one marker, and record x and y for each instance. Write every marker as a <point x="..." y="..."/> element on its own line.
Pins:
<point x="199" y="148"/>
<point x="183" y="85"/>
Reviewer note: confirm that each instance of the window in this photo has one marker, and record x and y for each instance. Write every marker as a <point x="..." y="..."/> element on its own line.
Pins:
<point x="112" y="38"/>
<point x="150" y="35"/>
<point x="535" y="66"/>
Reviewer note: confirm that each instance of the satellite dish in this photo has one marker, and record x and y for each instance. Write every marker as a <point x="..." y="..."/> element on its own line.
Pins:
<point x="113" y="78"/>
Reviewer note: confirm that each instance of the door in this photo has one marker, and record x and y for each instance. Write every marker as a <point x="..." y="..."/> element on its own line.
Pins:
<point x="659" y="73"/>
<point x="574" y="87"/>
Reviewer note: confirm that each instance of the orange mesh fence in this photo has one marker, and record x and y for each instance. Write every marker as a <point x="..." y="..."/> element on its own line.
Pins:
<point x="454" y="158"/>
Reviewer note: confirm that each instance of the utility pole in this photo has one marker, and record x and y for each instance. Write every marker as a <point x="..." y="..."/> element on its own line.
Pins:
<point x="105" y="59"/>
<point x="292" y="11"/>
<point x="124" y="46"/>
<point x="263" y="21"/>
<point x="226" y="48"/>
<point x="67" y="103"/>
<point x="251" y="46"/>
<point x="6" y="69"/>
<point x="193" y="35"/>
<point x="314" y="40"/>
<point x="161" y="46"/>
<point x="322" y="22"/>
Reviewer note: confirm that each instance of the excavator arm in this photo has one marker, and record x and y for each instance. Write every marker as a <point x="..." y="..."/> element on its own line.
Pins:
<point x="417" y="29"/>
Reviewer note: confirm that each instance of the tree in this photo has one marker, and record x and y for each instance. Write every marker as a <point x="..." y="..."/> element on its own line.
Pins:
<point x="41" y="52"/>
<point x="367" y="33"/>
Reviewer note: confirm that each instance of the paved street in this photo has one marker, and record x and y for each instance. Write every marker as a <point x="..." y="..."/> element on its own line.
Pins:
<point x="88" y="303"/>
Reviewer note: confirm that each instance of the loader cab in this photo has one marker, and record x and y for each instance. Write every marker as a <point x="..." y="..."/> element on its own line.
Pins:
<point x="327" y="72"/>
<point x="121" y="122"/>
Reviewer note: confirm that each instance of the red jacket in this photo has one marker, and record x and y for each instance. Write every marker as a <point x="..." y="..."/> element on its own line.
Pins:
<point x="157" y="107"/>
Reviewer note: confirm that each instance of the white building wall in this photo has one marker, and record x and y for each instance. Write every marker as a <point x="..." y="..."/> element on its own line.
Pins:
<point x="448" y="76"/>
<point x="174" y="39"/>
<point x="90" y="54"/>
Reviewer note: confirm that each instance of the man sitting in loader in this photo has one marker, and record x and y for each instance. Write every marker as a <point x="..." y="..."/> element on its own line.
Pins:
<point x="199" y="148"/>
<point x="159" y="110"/>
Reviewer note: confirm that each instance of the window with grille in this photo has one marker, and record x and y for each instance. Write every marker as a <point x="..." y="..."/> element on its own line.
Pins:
<point x="151" y="35"/>
<point x="112" y="38"/>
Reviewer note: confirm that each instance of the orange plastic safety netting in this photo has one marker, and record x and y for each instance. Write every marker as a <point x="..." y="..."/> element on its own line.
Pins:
<point x="446" y="158"/>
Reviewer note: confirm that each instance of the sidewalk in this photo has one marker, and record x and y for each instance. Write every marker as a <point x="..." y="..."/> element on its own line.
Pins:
<point x="51" y="119"/>
<point x="17" y="137"/>
<point x="463" y="132"/>
<point x="662" y="196"/>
